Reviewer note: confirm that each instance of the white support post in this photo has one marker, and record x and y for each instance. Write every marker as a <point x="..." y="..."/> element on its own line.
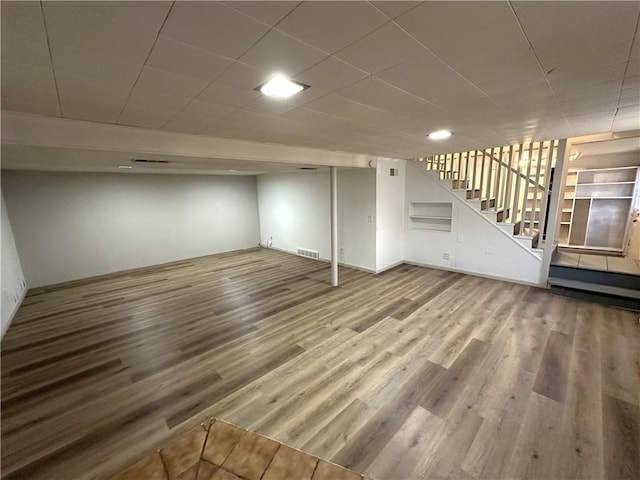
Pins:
<point x="334" y="225"/>
<point x="555" y="206"/>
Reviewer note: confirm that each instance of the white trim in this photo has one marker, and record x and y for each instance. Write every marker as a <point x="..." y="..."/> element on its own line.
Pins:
<point x="476" y="274"/>
<point x="389" y="267"/>
<point x="326" y="260"/>
<point x="4" y="328"/>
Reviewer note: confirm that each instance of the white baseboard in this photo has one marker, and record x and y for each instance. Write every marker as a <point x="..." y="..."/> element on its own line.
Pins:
<point x="389" y="267"/>
<point x="477" y="274"/>
<point x="325" y="260"/>
<point x="4" y="328"/>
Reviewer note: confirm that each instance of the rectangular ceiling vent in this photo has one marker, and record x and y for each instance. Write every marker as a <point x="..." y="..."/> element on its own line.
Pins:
<point x="305" y="252"/>
<point x="142" y="160"/>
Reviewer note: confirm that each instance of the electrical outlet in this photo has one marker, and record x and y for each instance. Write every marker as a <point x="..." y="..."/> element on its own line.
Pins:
<point x="488" y="250"/>
<point x="369" y="218"/>
<point x="446" y="256"/>
<point x="460" y="238"/>
<point x="341" y="250"/>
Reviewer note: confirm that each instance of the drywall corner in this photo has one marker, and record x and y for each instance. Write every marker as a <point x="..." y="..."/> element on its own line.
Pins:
<point x="12" y="284"/>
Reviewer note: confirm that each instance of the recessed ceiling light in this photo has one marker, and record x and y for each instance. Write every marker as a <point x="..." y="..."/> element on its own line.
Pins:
<point x="233" y="170"/>
<point x="125" y="166"/>
<point x="281" y="87"/>
<point x="439" y="134"/>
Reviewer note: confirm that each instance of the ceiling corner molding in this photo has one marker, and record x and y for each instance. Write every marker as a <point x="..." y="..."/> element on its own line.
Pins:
<point x="39" y="130"/>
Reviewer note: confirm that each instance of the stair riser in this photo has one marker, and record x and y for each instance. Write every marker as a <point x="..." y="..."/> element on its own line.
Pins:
<point x="594" y="297"/>
<point x="615" y="279"/>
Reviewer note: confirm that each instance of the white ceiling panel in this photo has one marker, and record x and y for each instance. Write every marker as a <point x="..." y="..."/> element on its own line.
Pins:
<point x="395" y="8"/>
<point x="331" y="26"/>
<point x="143" y="15"/>
<point x="397" y="70"/>
<point x="437" y="23"/>
<point x="373" y="92"/>
<point x="169" y="83"/>
<point x="24" y="38"/>
<point x="267" y="12"/>
<point x="69" y="24"/>
<point x="277" y="52"/>
<point x="213" y="26"/>
<point x="153" y="99"/>
<point x="184" y="60"/>
<point x="427" y="77"/>
<point x="224" y="95"/>
<point x="387" y="46"/>
<point x="91" y="65"/>
<point x="579" y="35"/>
<point x="141" y="116"/>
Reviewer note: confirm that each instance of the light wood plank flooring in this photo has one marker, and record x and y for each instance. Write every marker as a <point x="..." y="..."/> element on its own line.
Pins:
<point x="413" y="373"/>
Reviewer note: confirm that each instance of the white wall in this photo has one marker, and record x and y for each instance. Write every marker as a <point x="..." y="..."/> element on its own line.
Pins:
<point x="357" y="218"/>
<point x="13" y="285"/>
<point x="76" y="225"/>
<point x="390" y="197"/>
<point x="295" y="212"/>
<point x="474" y="245"/>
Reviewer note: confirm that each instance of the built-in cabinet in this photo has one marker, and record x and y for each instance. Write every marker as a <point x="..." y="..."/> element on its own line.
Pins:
<point x="596" y="211"/>
<point x="431" y="216"/>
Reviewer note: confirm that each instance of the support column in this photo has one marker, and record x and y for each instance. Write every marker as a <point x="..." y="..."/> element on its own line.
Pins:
<point x="334" y="225"/>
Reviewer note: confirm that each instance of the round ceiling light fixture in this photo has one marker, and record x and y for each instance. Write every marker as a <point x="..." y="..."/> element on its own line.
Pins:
<point x="439" y="135"/>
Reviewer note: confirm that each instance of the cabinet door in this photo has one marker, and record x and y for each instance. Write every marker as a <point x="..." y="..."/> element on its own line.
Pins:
<point x="608" y="222"/>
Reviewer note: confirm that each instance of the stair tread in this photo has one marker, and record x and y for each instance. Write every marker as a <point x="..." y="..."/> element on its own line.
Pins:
<point x="594" y="287"/>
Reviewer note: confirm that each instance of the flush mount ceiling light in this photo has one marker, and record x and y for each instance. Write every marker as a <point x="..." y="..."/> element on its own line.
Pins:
<point x="281" y="87"/>
<point x="439" y="135"/>
<point x="125" y="166"/>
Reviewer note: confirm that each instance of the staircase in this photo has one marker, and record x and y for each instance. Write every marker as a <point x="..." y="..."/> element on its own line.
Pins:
<point x="508" y="185"/>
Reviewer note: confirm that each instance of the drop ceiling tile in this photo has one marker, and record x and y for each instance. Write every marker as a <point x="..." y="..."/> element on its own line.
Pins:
<point x="23" y="34"/>
<point x="224" y="95"/>
<point x="93" y="108"/>
<point x="387" y="46"/>
<point x="167" y="82"/>
<point x="184" y="60"/>
<point x="268" y="12"/>
<point x="630" y="96"/>
<point x="609" y="91"/>
<point x="395" y="8"/>
<point x="143" y="15"/>
<point x="438" y="23"/>
<point x="81" y="28"/>
<point x="153" y="99"/>
<point x="243" y="77"/>
<point x="331" y="26"/>
<point x="567" y="80"/>
<point x="584" y="35"/>
<point x="23" y="81"/>
<point x="521" y="69"/>
<point x="269" y="106"/>
<point x="29" y="106"/>
<point x="375" y="93"/>
<point x="605" y="105"/>
<point x="427" y="77"/>
<point x="330" y="74"/>
<point x="92" y="65"/>
<point x="208" y="110"/>
<point x="343" y="107"/>
<point x="139" y="116"/>
<point x="213" y="26"/>
<point x="627" y="123"/>
<point x="632" y="111"/>
<point x="280" y="53"/>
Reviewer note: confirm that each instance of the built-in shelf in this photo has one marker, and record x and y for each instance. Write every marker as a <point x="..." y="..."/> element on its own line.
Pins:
<point x="435" y="216"/>
<point x="596" y="209"/>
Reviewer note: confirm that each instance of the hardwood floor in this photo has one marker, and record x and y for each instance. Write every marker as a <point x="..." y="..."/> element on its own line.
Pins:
<point x="413" y="373"/>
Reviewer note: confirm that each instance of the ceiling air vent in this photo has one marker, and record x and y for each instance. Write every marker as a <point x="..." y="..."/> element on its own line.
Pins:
<point x="308" y="168"/>
<point x="142" y="160"/>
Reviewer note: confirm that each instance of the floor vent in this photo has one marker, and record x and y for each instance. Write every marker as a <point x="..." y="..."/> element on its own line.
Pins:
<point x="305" y="252"/>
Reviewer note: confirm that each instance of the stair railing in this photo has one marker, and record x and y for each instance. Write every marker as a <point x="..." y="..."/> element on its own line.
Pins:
<point x="512" y="179"/>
